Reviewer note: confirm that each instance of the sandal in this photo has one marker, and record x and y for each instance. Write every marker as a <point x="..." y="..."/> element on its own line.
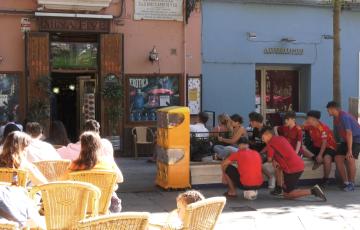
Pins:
<point x="227" y="195"/>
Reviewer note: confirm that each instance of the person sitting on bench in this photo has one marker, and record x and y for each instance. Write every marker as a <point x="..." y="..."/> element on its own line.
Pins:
<point x="247" y="175"/>
<point x="229" y="145"/>
<point x="199" y="128"/>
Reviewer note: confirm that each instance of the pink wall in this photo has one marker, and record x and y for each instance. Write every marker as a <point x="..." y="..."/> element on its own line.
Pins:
<point x="140" y="37"/>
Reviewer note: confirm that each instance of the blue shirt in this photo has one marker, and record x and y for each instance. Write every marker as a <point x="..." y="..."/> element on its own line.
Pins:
<point x="344" y="122"/>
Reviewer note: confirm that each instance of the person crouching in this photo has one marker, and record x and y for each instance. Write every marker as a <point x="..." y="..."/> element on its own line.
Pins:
<point x="247" y="175"/>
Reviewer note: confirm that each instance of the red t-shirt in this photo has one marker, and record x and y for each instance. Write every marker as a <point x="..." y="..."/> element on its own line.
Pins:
<point x="293" y="135"/>
<point x="283" y="153"/>
<point x="249" y="167"/>
<point x="320" y="133"/>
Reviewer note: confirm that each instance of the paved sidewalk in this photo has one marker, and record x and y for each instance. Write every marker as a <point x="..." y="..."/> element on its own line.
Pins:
<point x="342" y="211"/>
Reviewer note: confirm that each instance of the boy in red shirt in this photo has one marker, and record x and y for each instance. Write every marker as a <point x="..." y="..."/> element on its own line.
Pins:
<point x="247" y="175"/>
<point x="285" y="159"/>
<point x="291" y="131"/>
<point x="323" y="143"/>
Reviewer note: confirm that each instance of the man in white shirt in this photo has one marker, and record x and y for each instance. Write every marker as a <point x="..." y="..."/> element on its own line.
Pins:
<point x="199" y="128"/>
<point x="39" y="150"/>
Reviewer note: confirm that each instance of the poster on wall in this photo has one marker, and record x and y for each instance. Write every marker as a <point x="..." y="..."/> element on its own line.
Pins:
<point x="159" y="10"/>
<point x="9" y="95"/>
<point x="146" y="94"/>
<point x="194" y="94"/>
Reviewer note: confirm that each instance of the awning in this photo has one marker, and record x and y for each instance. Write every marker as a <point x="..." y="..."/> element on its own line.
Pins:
<point x="85" y="5"/>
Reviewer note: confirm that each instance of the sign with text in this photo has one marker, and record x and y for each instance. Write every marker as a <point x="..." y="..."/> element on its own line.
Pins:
<point x="284" y="51"/>
<point x="159" y="10"/>
<point x="74" y="25"/>
<point x="25" y="25"/>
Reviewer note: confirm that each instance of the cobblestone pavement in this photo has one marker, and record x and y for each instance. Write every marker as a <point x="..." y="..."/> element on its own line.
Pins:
<point x="341" y="211"/>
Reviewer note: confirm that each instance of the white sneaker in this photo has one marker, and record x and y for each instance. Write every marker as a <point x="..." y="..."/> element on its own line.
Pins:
<point x="250" y="194"/>
<point x="272" y="182"/>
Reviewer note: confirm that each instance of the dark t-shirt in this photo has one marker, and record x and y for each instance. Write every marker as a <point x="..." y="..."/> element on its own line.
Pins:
<point x="256" y="142"/>
<point x="283" y="153"/>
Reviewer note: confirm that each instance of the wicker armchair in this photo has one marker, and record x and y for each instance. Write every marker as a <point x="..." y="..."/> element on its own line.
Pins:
<point x="122" y="221"/>
<point x="8" y="225"/>
<point x="7" y="175"/>
<point x="66" y="203"/>
<point x="104" y="180"/>
<point x="201" y="215"/>
<point x="53" y="170"/>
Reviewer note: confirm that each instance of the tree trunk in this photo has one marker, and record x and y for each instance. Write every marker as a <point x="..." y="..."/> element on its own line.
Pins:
<point x="336" y="52"/>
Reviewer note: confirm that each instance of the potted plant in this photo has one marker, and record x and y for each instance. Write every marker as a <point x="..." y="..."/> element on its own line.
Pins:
<point x="39" y="107"/>
<point x="113" y="95"/>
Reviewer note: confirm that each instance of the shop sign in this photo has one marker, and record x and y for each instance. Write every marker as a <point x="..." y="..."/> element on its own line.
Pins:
<point x="25" y="25"/>
<point x="74" y="25"/>
<point x="284" y="51"/>
<point x="159" y="10"/>
<point x="139" y="83"/>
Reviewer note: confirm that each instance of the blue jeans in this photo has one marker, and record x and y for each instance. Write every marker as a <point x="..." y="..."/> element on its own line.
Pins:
<point x="224" y="151"/>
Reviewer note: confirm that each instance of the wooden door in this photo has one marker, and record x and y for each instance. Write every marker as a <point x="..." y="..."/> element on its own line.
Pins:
<point x="111" y="62"/>
<point x="38" y="78"/>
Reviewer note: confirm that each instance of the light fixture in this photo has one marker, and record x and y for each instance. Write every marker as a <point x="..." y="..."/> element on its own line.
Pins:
<point x="72" y="87"/>
<point x="56" y="90"/>
<point x="251" y="35"/>
<point x="288" y="39"/>
<point x="328" y="36"/>
<point x="154" y="55"/>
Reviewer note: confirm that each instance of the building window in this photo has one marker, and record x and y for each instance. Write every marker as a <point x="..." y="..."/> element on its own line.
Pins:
<point x="9" y="95"/>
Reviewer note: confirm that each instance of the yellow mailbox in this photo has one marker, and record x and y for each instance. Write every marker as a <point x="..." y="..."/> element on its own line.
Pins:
<point x="173" y="148"/>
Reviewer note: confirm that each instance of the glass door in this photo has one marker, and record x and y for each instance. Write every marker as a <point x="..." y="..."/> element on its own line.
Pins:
<point x="277" y="92"/>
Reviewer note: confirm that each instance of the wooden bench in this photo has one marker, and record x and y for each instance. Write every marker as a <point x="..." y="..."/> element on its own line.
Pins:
<point x="210" y="172"/>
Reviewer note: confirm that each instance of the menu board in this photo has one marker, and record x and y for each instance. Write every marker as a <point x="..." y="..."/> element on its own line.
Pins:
<point x="146" y="94"/>
<point x="9" y="95"/>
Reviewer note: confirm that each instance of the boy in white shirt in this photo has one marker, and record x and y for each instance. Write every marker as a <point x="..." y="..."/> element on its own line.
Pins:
<point x="39" y="150"/>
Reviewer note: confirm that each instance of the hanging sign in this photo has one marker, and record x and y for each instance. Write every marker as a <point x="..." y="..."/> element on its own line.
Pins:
<point x="159" y="10"/>
<point x="25" y="25"/>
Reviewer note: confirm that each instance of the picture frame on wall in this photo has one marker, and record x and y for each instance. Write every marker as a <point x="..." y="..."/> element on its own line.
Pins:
<point x="194" y="94"/>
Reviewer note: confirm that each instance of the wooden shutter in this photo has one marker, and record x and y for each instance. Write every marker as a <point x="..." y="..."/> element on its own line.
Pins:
<point x="111" y="62"/>
<point x="37" y="62"/>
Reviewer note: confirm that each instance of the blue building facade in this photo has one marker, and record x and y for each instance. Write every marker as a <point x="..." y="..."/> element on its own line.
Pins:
<point x="245" y="44"/>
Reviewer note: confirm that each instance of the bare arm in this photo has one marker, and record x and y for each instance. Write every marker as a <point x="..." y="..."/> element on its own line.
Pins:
<point x="298" y="147"/>
<point x="225" y="164"/>
<point x="241" y="132"/>
<point x="276" y="130"/>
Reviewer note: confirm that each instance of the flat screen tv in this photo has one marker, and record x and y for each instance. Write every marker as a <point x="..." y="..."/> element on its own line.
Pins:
<point x="74" y="55"/>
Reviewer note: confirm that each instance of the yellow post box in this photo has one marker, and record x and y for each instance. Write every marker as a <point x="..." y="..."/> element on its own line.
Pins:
<point x="173" y="148"/>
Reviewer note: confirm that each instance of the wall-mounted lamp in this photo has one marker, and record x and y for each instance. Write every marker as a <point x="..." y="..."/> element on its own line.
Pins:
<point x="327" y="36"/>
<point x="72" y="87"/>
<point x="288" y="39"/>
<point x="154" y="55"/>
<point x="251" y="35"/>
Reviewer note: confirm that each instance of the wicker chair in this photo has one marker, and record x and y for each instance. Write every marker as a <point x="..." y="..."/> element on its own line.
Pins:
<point x="104" y="180"/>
<point x="53" y="170"/>
<point x="7" y="175"/>
<point x="122" y="221"/>
<point x="142" y="136"/>
<point x="66" y="202"/>
<point x="8" y="225"/>
<point x="201" y="215"/>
